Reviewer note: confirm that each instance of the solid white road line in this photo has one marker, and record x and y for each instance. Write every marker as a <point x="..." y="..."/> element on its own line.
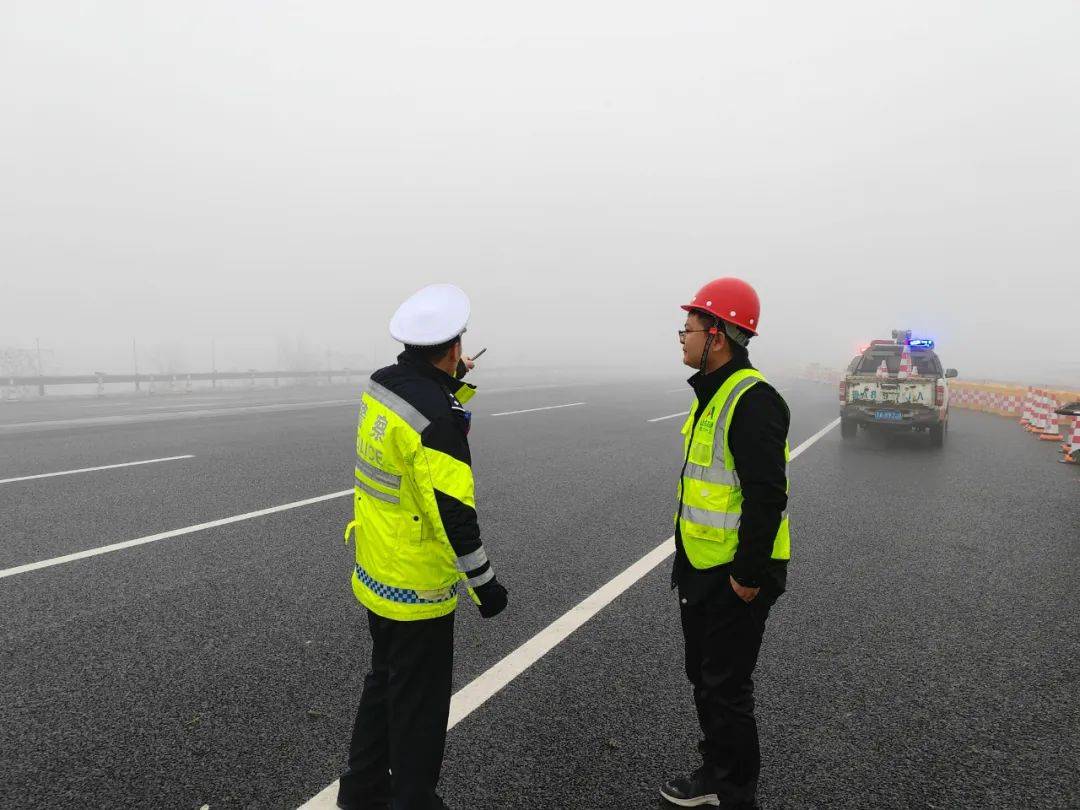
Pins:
<point x="474" y="694"/>
<point x="515" y="388"/>
<point x="669" y="416"/>
<point x="139" y="403"/>
<point x="133" y="418"/>
<point x="545" y="408"/>
<point x="92" y="469"/>
<point x="178" y="406"/>
<point x="151" y="538"/>
<point x="810" y="442"/>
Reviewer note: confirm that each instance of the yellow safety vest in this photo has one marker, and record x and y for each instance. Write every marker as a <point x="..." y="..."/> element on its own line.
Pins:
<point x="709" y="496"/>
<point x="405" y="568"/>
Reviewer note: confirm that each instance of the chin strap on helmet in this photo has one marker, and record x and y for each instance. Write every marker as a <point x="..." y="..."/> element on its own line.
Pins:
<point x="709" y="338"/>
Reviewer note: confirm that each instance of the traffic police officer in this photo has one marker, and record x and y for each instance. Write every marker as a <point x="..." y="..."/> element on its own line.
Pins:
<point x="417" y="541"/>
<point x="731" y="535"/>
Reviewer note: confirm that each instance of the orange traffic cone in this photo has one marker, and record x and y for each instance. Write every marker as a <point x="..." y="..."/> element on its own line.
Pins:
<point x="1071" y="447"/>
<point x="905" y="370"/>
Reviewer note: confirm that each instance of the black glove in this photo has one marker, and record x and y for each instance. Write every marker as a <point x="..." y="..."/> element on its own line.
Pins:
<point x="492" y="596"/>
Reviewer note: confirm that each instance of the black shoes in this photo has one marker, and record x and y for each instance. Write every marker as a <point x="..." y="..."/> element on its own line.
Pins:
<point x="698" y="790"/>
<point x="344" y="805"/>
<point x="690" y="791"/>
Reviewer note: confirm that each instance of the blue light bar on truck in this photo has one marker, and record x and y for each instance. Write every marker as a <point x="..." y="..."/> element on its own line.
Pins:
<point x="921" y="344"/>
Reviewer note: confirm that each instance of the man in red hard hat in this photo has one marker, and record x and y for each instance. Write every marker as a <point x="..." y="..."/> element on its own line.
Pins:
<point x="732" y="540"/>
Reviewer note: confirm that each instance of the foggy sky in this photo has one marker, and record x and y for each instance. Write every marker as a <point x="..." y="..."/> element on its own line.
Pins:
<point x="260" y="173"/>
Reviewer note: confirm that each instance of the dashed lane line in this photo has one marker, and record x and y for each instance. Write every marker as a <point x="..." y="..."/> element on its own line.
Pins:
<point x="92" y="469"/>
<point x="669" y="416"/>
<point x="810" y="442"/>
<point x="545" y="408"/>
<point x="134" y="418"/>
<point x="153" y="538"/>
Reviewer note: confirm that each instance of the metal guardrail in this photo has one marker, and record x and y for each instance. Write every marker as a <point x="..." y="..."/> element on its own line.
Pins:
<point x="101" y="379"/>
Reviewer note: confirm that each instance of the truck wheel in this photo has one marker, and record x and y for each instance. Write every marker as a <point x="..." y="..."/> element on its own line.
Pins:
<point x="937" y="435"/>
<point x="848" y="428"/>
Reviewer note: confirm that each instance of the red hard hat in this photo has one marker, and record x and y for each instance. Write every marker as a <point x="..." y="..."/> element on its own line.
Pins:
<point x="731" y="300"/>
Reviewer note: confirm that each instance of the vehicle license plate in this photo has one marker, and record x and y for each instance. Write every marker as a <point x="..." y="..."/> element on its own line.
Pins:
<point x="891" y="416"/>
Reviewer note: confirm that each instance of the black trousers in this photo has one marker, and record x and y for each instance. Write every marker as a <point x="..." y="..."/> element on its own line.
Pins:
<point x="723" y="637"/>
<point x="400" y="727"/>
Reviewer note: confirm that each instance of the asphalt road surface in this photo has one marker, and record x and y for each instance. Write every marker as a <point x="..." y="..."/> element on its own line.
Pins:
<point x="927" y="653"/>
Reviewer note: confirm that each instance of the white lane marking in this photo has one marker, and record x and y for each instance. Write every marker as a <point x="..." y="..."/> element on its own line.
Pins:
<point x="684" y="390"/>
<point x="137" y="404"/>
<point x="474" y="694"/>
<point x="174" y="397"/>
<point x="162" y="417"/>
<point x="545" y="408"/>
<point x="810" y="442"/>
<point x="178" y="405"/>
<point x="669" y="416"/>
<point x="514" y="388"/>
<point x="93" y="469"/>
<point x="151" y="538"/>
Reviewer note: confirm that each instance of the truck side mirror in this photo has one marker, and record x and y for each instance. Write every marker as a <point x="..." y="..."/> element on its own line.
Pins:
<point x="952" y="372"/>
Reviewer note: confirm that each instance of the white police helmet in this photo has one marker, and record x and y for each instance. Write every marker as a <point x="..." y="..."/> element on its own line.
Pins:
<point x="433" y="315"/>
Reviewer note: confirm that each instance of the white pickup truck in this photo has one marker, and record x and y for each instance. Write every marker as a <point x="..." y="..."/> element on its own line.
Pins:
<point x="876" y="397"/>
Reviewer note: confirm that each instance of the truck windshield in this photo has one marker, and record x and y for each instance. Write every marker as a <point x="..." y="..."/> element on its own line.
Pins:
<point x="925" y="362"/>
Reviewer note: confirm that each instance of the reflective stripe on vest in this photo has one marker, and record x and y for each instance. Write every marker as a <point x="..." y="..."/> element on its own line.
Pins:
<point x="377" y="493"/>
<point x="380" y="393"/>
<point x="404" y="596"/>
<point x="706" y="517"/>
<point x="472" y="561"/>
<point x="374" y="473"/>
<point x="712" y="475"/>
<point x="480" y="579"/>
<point x="717" y="520"/>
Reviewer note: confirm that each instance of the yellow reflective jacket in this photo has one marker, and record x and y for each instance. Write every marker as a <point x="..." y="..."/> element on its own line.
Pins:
<point x="414" y="518"/>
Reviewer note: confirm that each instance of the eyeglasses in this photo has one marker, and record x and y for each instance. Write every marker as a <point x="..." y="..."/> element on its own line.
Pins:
<point x="682" y="333"/>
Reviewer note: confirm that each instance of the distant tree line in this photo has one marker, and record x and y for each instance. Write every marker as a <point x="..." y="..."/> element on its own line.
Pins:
<point x="16" y="362"/>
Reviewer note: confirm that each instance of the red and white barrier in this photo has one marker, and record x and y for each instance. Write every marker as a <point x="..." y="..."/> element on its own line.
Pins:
<point x="1038" y="417"/>
<point x="1071" y="447"/>
<point x="995" y="399"/>
<point x="1028" y="410"/>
